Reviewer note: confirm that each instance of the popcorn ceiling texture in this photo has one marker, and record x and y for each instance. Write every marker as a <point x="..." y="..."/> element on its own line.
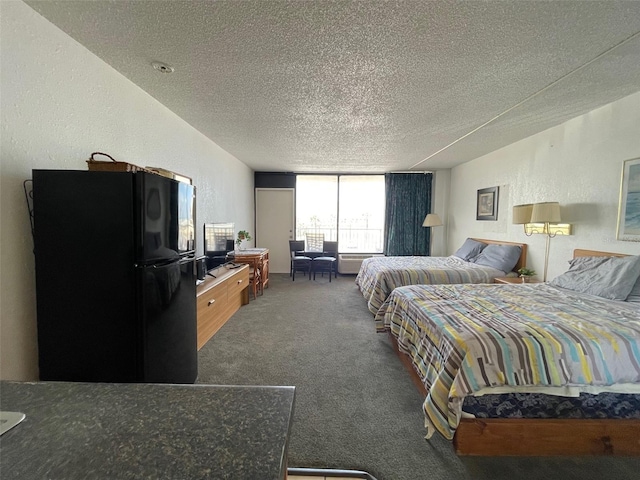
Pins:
<point x="366" y="86"/>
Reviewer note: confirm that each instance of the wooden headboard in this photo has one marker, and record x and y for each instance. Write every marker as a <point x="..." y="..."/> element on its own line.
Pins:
<point x="522" y="261"/>
<point x="579" y="252"/>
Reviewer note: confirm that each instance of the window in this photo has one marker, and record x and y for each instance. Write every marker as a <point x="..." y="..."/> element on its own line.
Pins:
<point x="317" y="206"/>
<point x="361" y="219"/>
<point x="346" y="208"/>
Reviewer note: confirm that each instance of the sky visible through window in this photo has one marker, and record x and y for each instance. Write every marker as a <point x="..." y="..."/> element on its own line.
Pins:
<point x="356" y="221"/>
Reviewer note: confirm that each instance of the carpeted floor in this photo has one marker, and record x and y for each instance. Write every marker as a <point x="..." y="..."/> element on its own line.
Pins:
<point x="355" y="407"/>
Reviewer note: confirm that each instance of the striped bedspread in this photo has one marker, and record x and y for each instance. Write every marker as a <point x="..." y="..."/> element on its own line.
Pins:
<point x="378" y="276"/>
<point x="465" y="338"/>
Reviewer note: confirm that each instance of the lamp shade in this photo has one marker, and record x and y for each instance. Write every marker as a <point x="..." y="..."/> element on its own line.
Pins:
<point x="545" y="212"/>
<point x="522" y="213"/>
<point x="432" y="220"/>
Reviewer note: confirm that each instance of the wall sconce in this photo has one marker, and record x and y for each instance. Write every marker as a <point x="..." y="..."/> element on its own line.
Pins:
<point x="541" y="218"/>
<point x="432" y="220"/>
<point x="522" y="214"/>
<point x="552" y="228"/>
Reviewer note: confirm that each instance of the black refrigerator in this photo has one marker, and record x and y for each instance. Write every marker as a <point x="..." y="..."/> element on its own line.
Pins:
<point x="115" y="279"/>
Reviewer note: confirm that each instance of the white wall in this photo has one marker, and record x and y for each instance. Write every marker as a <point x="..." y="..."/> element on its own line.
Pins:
<point x="59" y="103"/>
<point x="440" y="205"/>
<point x="578" y="164"/>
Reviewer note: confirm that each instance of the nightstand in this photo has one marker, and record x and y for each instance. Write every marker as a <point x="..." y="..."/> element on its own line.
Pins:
<point x="515" y="280"/>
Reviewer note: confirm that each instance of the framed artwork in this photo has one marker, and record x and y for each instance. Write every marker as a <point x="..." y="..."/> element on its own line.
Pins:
<point x="629" y="207"/>
<point x="487" y="206"/>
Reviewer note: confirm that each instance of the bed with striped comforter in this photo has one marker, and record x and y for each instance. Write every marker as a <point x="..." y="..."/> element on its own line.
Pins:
<point x="480" y="339"/>
<point x="378" y="276"/>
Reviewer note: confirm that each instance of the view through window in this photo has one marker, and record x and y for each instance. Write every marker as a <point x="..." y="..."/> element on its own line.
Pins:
<point x="346" y="208"/>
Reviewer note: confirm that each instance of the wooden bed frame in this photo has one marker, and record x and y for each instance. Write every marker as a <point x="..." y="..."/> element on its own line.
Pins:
<point x="539" y="437"/>
<point x="522" y="261"/>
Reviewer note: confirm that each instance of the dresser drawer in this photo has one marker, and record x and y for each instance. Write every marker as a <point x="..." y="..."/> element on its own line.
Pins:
<point x="210" y="300"/>
<point x="211" y="304"/>
<point x="238" y="283"/>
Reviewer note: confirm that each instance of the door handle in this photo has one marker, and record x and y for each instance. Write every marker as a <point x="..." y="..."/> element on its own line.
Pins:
<point x="211" y="302"/>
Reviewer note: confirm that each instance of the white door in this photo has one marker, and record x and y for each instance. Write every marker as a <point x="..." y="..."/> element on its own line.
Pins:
<point x="275" y="213"/>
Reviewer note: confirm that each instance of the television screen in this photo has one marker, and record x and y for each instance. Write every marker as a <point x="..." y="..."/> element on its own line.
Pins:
<point x="218" y="241"/>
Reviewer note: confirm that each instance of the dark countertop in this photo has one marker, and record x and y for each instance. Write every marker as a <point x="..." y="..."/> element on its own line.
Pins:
<point x="117" y="431"/>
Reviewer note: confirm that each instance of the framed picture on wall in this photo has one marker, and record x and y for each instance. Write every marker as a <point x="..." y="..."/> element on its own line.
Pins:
<point x="629" y="207"/>
<point x="487" y="204"/>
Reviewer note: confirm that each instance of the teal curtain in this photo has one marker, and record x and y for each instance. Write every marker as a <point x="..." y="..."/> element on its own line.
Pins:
<point x="408" y="201"/>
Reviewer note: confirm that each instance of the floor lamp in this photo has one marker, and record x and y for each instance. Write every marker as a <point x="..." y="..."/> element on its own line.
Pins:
<point x="432" y="220"/>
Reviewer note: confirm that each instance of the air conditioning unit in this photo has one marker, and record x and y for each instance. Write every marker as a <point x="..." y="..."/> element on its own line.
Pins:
<point x="349" y="263"/>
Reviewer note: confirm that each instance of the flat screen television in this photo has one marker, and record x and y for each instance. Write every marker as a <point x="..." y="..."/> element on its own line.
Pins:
<point x="218" y="241"/>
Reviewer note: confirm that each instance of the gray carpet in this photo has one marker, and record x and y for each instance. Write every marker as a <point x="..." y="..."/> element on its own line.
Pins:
<point x="356" y="407"/>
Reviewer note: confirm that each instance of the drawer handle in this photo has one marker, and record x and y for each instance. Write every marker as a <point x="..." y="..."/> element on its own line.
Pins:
<point x="211" y="302"/>
<point x="239" y="282"/>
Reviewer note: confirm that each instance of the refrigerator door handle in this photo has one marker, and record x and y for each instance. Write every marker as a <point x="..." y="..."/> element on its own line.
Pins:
<point x="158" y="264"/>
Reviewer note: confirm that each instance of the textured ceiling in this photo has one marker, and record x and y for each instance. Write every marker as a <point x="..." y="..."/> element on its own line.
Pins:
<point x="366" y="86"/>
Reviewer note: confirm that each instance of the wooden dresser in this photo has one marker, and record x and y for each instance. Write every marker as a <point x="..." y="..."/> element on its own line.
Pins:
<point x="219" y="298"/>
